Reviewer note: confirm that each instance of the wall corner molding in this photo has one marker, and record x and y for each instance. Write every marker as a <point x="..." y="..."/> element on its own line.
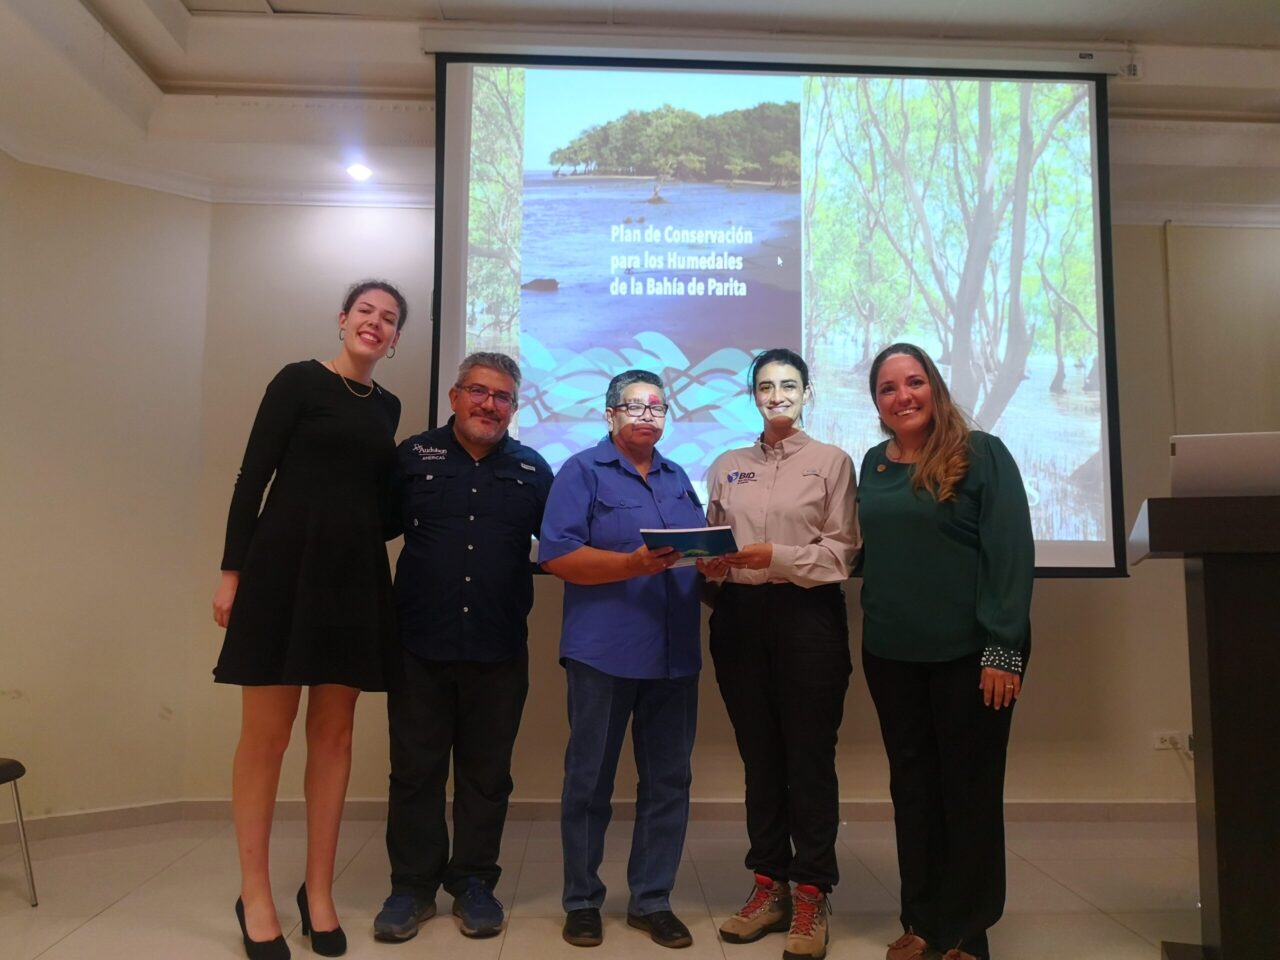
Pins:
<point x="357" y="808"/>
<point x="1186" y="213"/>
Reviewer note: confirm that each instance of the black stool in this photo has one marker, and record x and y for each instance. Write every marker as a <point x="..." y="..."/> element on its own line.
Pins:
<point x="10" y="772"/>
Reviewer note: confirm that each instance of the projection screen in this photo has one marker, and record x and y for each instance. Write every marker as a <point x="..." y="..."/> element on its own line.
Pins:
<point x="598" y="216"/>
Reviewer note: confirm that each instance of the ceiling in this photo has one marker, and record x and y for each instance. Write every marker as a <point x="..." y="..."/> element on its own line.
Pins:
<point x="360" y="44"/>
<point x="1246" y="23"/>
<point x="269" y="100"/>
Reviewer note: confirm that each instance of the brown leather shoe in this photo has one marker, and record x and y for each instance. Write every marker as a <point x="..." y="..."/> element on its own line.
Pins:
<point x="907" y="947"/>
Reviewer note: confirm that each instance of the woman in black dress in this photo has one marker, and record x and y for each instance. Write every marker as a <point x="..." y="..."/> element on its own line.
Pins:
<point x="306" y="599"/>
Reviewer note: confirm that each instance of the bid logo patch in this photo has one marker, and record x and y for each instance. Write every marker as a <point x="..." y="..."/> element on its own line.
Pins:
<point x="741" y="476"/>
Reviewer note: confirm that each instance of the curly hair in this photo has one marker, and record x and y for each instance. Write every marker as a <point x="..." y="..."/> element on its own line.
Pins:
<point x="944" y="459"/>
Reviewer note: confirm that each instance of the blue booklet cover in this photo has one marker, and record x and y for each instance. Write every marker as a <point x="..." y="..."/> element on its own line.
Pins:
<point x="692" y="543"/>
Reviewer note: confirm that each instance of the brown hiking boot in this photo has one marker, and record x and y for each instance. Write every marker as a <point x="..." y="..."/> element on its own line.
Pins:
<point x="908" y="947"/>
<point x="767" y="910"/>
<point x="807" y="938"/>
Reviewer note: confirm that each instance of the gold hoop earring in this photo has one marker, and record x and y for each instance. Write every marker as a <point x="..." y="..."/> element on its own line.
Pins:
<point x="391" y="353"/>
<point x="341" y="334"/>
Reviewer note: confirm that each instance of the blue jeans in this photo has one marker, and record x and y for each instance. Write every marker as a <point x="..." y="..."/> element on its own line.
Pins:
<point x="663" y="715"/>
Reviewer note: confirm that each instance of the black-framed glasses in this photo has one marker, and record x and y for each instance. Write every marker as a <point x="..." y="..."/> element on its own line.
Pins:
<point x="501" y="399"/>
<point x="635" y="409"/>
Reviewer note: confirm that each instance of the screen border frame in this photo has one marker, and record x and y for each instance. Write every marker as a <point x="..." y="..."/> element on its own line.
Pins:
<point x="1119" y="568"/>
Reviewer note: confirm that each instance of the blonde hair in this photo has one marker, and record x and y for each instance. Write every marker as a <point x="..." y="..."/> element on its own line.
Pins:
<point x="943" y="460"/>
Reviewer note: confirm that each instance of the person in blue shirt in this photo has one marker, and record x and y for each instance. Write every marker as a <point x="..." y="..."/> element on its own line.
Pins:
<point x="631" y="650"/>
<point x="468" y="498"/>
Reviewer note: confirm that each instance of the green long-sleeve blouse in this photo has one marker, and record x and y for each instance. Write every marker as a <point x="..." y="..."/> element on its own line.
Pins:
<point x="942" y="581"/>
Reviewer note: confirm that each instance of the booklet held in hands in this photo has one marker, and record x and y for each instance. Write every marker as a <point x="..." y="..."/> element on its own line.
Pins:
<point x="692" y="543"/>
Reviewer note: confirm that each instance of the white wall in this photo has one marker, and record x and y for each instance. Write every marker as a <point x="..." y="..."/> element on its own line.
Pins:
<point x="104" y="294"/>
<point x="1225" y="329"/>
<point x="277" y="276"/>
<point x="140" y="331"/>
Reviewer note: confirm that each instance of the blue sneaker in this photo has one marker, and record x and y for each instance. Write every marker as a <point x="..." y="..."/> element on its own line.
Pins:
<point x="400" y="917"/>
<point x="478" y="909"/>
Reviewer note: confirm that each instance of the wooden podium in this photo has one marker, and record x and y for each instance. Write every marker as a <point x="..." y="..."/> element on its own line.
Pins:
<point x="1231" y="549"/>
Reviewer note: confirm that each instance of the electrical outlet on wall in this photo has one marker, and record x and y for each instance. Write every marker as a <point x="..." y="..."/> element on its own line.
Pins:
<point x="1171" y="740"/>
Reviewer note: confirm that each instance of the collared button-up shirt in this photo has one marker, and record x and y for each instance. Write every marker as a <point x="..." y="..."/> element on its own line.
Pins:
<point x="797" y="495"/>
<point x="646" y="627"/>
<point x="464" y="584"/>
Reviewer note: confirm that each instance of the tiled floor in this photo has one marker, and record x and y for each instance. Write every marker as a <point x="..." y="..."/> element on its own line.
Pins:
<point x="1110" y="891"/>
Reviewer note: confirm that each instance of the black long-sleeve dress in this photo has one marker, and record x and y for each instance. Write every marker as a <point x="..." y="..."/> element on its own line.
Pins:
<point x="314" y="603"/>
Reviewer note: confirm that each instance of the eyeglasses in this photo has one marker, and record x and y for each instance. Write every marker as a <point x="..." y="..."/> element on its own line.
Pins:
<point x="635" y="410"/>
<point x="502" y="400"/>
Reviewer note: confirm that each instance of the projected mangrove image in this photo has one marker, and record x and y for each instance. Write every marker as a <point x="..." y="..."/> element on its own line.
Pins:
<point x="681" y="221"/>
<point x="495" y="208"/>
<point x="958" y="214"/>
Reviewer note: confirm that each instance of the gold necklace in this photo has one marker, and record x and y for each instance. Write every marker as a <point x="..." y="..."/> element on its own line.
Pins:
<point x="332" y="366"/>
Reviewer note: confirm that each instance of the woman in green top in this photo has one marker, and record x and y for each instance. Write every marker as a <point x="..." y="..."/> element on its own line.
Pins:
<point x="947" y="567"/>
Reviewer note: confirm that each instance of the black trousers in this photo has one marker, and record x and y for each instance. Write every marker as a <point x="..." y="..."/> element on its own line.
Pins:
<point x="472" y="711"/>
<point x="946" y="776"/>
<point x="782" y="661"/>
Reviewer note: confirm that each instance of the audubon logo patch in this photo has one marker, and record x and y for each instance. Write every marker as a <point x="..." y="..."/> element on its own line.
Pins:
<point x="429" y="453"/>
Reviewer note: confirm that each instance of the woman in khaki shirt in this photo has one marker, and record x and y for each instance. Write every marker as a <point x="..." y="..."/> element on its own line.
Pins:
<point x="780" y="642"/>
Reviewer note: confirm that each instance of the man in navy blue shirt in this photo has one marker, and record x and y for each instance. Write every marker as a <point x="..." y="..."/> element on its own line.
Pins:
<point x="631" y="652"/>
<point x="470" y="498"/>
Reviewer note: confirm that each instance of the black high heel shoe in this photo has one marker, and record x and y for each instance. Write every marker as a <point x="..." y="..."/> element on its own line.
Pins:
<point x="327" y="943"/>
<point x="275" y="949"/>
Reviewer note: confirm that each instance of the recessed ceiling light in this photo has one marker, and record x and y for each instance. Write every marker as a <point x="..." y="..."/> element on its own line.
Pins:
<point x="359" y="172"/>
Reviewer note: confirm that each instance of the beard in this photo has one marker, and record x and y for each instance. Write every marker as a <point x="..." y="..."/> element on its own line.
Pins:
<point x="479" y="430"/>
